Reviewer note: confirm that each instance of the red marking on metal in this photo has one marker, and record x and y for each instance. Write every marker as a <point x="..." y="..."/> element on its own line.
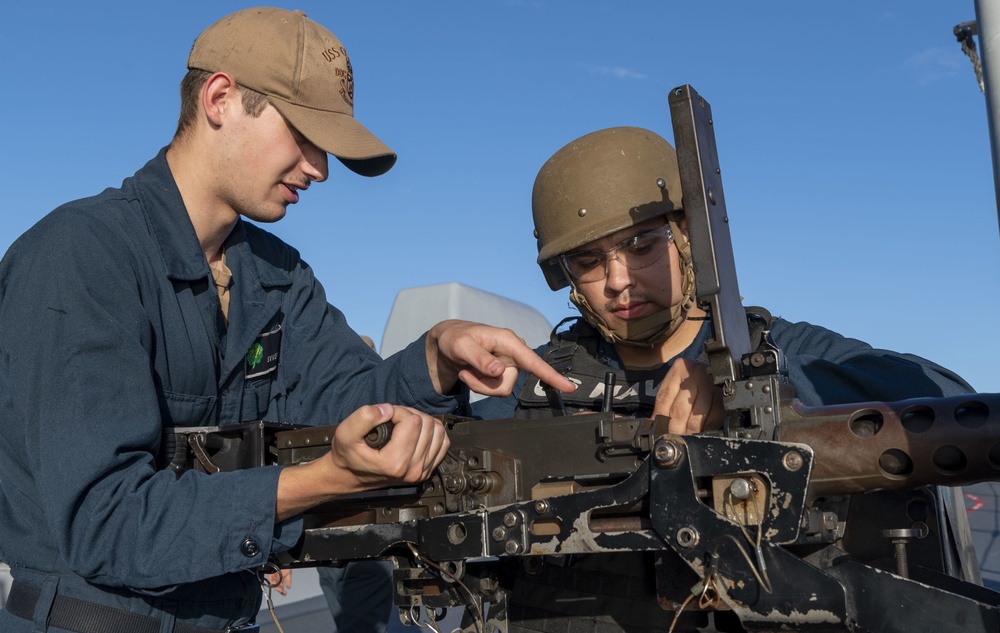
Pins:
<point x="977" y="503"/>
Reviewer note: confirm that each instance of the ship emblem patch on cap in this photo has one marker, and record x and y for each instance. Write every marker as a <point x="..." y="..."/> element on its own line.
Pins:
<point x="345" y="74"/>
<point x="347" y="83"/>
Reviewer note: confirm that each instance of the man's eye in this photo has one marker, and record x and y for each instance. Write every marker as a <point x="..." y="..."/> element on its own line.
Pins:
<point x="641" y="244"/>
<point x="587" y="260"/>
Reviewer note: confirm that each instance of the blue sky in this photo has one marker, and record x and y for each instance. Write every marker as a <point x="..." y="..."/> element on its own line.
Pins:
<point x="852" y="136"/>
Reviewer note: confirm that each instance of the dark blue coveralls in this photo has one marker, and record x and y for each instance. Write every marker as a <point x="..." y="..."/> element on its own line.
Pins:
<point x="110" y="330"/>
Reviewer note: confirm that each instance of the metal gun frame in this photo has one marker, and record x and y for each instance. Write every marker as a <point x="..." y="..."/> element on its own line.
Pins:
<point x="791" y="518"/>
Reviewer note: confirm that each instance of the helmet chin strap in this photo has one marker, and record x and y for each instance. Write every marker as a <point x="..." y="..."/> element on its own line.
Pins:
<point x="654" y="328"/>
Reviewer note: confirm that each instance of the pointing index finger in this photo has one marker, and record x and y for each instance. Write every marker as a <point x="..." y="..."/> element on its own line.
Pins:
<point x="531" y="362"/>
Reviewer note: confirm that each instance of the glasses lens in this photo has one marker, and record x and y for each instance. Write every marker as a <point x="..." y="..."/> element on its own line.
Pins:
<point x="586" y="266"/>
<point x="635" y="253"/>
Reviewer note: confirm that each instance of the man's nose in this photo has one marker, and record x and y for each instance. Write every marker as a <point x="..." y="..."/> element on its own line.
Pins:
<point x="618" y="275"/>
<point x="315" y="163"/>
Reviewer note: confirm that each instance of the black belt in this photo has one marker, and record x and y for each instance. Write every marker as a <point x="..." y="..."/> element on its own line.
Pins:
<point x="88" y="617"/>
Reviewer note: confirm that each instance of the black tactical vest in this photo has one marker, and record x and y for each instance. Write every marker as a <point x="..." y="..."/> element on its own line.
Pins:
<point x="574" y="352"/>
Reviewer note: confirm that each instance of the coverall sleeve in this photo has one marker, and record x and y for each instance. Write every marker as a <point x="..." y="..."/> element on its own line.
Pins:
<point x="83" y="400"/>
<point x="827" y="368"/>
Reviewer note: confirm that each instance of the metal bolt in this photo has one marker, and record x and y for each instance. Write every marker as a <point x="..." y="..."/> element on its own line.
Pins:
<point x="488" y="585"/>
<point x="452" y="483"/>
<point x="512" y="547"/>
<point x="541" y="506"/>
<point x="499" y="533"/>
<point x="793" y="461"/>
<point x="510" y="519"/>
<point x="899" y="539"/>
<point x="740" y="488"/>
<point x="667" y="454"/>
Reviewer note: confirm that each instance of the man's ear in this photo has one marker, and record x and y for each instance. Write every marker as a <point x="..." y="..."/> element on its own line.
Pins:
<point x="217" y="95"/>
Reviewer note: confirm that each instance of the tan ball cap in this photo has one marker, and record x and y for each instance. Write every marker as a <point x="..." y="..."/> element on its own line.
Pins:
<point x="305" y="73"/>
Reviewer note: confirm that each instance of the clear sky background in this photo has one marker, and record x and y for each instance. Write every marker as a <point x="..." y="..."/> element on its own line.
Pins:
<point x="852" y="136"/>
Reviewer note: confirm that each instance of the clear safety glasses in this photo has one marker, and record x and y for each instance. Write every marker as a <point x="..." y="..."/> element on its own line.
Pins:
<point x="635" y="253"/>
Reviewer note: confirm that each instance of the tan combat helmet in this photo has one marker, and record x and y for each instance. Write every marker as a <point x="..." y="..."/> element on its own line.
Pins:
<point x="600" y="183"/>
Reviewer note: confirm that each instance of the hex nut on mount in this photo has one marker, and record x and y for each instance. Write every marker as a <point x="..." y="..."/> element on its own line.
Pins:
<point x="667" y="454"/>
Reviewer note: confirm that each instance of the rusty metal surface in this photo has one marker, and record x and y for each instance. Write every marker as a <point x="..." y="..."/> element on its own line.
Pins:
<point x="902" y="445"/>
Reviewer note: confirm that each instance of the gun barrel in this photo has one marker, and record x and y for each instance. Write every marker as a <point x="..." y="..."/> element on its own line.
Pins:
<point x="899" y="445"/>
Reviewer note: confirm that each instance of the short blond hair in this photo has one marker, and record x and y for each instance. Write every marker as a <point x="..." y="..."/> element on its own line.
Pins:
<point x="253" y="102"/>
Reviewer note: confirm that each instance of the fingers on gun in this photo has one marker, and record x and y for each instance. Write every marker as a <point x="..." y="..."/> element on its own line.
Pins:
<point x="528" y="360"/>
<point x="688" y="397"/>
<point x="419" y="443"/>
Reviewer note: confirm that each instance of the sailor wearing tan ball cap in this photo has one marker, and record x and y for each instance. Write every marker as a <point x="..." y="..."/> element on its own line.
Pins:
<point x="156" y="305"/>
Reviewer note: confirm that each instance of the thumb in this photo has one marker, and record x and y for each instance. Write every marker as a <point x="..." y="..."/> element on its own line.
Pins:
<point x="366" y="418"/>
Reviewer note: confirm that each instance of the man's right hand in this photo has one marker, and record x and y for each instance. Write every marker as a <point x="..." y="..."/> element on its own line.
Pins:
<point x="419" y="443"/>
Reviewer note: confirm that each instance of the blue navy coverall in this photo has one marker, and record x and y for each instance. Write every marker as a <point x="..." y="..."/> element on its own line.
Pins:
<point x="110" y="330"/>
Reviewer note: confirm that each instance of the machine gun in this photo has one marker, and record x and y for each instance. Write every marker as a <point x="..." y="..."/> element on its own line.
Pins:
<point x="791" y="517"/>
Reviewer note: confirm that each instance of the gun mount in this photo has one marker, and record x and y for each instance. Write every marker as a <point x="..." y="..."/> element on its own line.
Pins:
<point x="790" y="518"/>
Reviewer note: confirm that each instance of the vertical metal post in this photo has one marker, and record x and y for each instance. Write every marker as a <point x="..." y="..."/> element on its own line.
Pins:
<point x="708" y="229"/>
<point x="988" y="22"/>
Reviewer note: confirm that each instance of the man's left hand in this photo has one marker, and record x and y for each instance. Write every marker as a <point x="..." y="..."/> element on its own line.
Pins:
<point x="485" y="358"/>
<point x="280" y="581"/>
<point x="689" y="397"/>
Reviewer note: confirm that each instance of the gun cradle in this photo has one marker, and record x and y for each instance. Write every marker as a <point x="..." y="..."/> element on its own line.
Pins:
<point x="526" y="460"/>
